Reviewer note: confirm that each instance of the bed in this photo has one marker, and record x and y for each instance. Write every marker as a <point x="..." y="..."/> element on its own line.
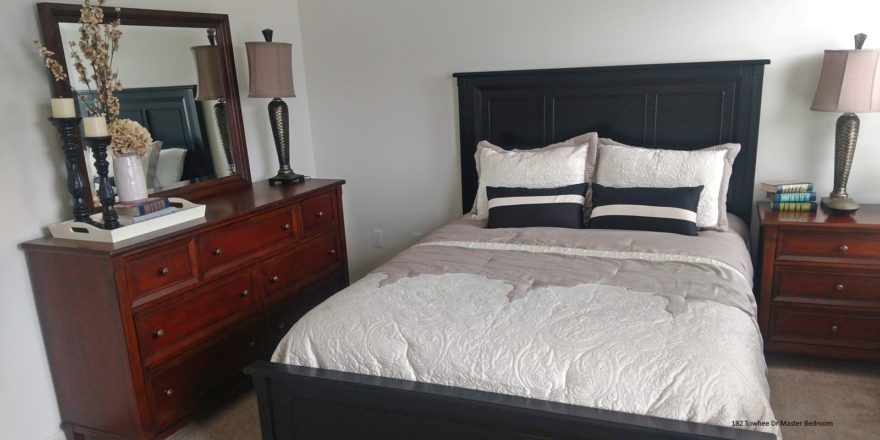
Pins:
<point x="547" y="332"/>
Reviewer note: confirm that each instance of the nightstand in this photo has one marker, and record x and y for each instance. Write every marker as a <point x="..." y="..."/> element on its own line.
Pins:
<point x="819" y="285"/>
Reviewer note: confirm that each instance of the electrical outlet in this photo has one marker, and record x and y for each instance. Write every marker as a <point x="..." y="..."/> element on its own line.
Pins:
<point x="378" y="238"/>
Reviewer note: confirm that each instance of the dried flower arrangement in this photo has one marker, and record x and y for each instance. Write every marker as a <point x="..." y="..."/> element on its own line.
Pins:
<point x="129" y="137"/>
<point x="93" y="60"/>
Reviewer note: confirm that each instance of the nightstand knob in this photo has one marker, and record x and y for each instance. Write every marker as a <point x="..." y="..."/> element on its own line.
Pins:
<point x="844" y="248"/>
<point x="159" y="333"/>
<point x="244" y="293"/>
<point x="218" y="251"/>
<point x="274" y="278"/>
<point x="164" y="271"/>
<point x="838" y="286"/>
<point x="286" y="227"/>
<point x="168" y="393"/>
<point x="833" y="329"/>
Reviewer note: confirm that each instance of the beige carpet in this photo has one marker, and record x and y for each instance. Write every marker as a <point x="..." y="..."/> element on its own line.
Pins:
<point x="847" y="394"/>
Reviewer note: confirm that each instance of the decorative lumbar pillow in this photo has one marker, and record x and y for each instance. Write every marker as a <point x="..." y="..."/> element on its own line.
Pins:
<point x="620" y="165"/>
<point x="561" y="207"/>
<point x="646" y="209"/>
<point x="548" y="167"/>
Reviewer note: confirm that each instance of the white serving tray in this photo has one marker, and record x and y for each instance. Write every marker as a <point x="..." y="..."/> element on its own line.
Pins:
<point x="74" y="230"/>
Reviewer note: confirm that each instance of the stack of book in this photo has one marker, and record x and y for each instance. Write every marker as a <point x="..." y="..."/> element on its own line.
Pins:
<point x="791" y="195"/>
<point x="131" y="213"/>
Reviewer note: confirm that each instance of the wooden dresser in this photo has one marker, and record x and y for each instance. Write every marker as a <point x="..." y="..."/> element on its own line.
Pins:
<point x="820" y="282"/>
<point x="142" y="333"/>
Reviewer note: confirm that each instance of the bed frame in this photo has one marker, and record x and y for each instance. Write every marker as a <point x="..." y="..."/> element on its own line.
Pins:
<point x="685" y="106"/>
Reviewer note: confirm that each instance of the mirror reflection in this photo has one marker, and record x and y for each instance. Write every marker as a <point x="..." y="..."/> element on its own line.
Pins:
<point x="173" y="87"/>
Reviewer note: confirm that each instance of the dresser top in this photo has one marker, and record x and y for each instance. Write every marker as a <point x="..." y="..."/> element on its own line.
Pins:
<point x="255" y="198"/>
<point x="867" y="217"/>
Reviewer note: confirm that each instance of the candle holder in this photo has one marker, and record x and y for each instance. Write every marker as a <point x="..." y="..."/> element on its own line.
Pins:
<point x="76" y="184"/>
<point x="98" y="146"/>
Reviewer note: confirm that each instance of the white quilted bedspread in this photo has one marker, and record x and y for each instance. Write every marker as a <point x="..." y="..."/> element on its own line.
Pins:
<point x="609" y="338"/>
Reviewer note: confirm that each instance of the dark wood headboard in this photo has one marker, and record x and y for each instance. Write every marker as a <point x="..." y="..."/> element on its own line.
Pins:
<point x="685" y="106"/>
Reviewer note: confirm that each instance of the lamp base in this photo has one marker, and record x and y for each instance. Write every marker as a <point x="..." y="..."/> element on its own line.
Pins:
<point x="840" y="205"/>
<point x="287" y="178"/>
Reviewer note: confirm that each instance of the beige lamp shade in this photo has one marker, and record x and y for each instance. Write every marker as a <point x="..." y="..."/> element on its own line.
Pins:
<point x="850" y="82"/>
<point x="210" y="78"/>
<point x="270" y="66"/>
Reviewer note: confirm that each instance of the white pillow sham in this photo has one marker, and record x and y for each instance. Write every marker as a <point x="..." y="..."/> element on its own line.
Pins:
<point x="547" y="168"/>
<point x="625" y="166"/>
<point x="522" y="176"/>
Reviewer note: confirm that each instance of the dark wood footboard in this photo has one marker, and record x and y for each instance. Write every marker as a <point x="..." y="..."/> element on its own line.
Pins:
<point x="308" y="403"/>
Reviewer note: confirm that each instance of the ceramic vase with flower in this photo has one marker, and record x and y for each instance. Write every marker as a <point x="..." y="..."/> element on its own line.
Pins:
<point x="131" y="182"/>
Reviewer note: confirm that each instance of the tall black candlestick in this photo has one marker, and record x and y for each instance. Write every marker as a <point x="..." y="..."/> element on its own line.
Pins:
<point x="76" y="184"/>
<point x="102" y="168"/>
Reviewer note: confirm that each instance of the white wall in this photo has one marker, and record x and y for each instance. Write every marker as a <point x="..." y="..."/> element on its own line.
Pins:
<point x="34" y="188"/>
<point x="384" y="110"/>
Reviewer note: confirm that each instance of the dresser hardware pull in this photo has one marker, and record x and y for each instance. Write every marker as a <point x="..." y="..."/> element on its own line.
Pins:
<point x="252" y="343"/>
<point x="164" y="271"/>
<point x="159" y="333"/>
<point x="332" y="251"/>
<point x="833" y="329"/>
<point x="169" y="392"/>
<point x="274" y="278"/>
<point x="320" y="213"/>
<point x="838" y="286"/>
<point x="844" y="248"/>
<point x="281" y="326"/>
<point x="244" y="293"/>
<point x="218" y="251"/>
<point x="286" y="227"/>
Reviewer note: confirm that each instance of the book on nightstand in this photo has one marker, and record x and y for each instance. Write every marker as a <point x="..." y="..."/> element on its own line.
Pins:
<point x="787" y="186"/>
<point x="790" y="195"/>
<point x="794" y="206"/>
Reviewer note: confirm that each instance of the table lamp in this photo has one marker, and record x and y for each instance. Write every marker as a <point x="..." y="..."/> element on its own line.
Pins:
<point x="849" y="84"/>
<point x="210" y="87"/>
<point x="270" y="67"/>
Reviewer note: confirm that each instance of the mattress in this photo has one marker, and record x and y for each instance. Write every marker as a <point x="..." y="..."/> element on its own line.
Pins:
<point x="632" y="321"/>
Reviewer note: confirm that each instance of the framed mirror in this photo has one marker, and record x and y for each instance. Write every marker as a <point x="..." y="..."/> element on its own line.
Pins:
<point x="179" y="79"/>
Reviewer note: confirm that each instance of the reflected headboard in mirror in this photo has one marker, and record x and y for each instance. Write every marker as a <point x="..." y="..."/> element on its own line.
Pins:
<point x="159" y="73"/>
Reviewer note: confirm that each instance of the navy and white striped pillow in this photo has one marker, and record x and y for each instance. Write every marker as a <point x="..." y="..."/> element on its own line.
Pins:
<point x="646" y="209"/>
<point x="561" y="207"/>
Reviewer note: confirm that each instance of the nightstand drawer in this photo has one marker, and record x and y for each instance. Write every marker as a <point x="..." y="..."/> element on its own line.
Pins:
<point x="193" y="315"/>
<point x="797" y="282"/>
<point x="227" y="244"/>
<point x="820" y="326"/>
<point x="161" y="268"/>
<point x="856" y="245"/>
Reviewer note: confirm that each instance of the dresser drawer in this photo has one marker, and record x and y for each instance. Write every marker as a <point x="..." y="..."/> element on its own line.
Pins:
<point x="813" y="283"/>
<point x="192" y="315"/>
<point x="303" y="265"/>
<point x="858" y="245"/>
<point x="226" y="244"/>
<point x="820" y="326"/>
<point x="163" y="267"/>
<point x="318" y="214"/>
<point x="181" y="385"/>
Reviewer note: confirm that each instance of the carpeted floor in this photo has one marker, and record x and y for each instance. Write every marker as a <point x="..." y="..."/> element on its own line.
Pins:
<point x="847" y="394"/>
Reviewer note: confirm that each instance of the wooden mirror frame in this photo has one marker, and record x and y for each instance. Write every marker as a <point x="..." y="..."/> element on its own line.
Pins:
<point x="51" y="14"/>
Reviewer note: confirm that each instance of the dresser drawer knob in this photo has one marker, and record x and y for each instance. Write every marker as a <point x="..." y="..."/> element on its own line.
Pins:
<point x="159" y="333"/>
<point x="164" y="271"/>
<point x="838" y="287"/>
<point x="252" y="343"/>
<point x="169" y="392"/>
<point x="218" y="251"/>
<point x="286" y="227"/>
<point x="274" y="278"/>
<point x="320" y="213"/>
<point x="844" y="248"/>
<point x="332" y="251"/>
<point x="244" y="293"/>
<point x="833" y="329"/>
<point x="281" y="326"/>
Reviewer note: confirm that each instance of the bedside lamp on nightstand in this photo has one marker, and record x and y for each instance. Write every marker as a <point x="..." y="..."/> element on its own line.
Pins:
<point x="850" y="83"/>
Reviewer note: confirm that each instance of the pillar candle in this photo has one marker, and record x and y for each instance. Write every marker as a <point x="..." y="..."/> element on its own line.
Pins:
<point x="95" y="126"/>
<point x="63" y="108"/>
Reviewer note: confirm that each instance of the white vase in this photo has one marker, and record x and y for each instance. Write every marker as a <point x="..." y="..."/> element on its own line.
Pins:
<point x="131" y="184"/>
